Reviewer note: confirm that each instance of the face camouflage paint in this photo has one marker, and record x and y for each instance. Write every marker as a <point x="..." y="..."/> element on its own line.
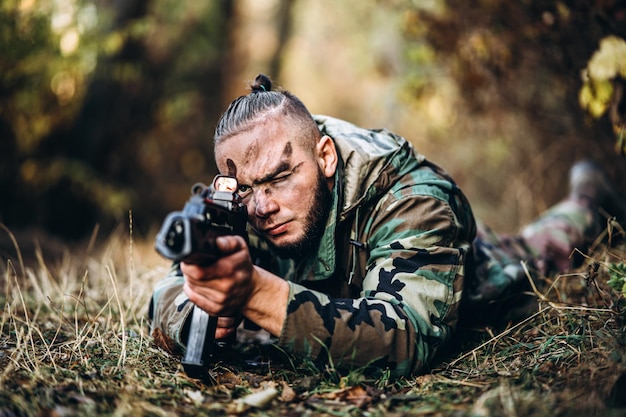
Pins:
<point x="232" y="168"/>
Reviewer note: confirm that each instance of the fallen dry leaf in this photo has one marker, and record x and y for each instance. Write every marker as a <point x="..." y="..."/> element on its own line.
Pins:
<point x="287" y="393"/>
<point x="357" y="395"/>
<point x="165" y="342"/>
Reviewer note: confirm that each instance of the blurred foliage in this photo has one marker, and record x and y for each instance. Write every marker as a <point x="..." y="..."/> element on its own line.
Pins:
<point x="603" y="88"/>
<point x="102" y="99"/>
<point x="617" y="277"/>
<point x="554" y="49"/>
<point x="542" y="74"/>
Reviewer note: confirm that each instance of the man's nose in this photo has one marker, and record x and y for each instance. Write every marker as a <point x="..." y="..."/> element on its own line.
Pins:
<point x="264" y="202"/>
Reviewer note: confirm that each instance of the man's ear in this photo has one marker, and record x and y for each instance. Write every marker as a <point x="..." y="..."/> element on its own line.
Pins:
<point x="327" y="155"/>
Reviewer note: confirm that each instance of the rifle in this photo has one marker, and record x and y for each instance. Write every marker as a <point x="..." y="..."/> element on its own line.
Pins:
<point x="189" y="235"/>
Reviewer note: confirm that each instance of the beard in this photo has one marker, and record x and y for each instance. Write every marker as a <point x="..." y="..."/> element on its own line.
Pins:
<point x="315" y="224"/>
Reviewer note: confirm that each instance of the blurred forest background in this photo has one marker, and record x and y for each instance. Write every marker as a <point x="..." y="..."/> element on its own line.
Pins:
<point x="107" y="107"/>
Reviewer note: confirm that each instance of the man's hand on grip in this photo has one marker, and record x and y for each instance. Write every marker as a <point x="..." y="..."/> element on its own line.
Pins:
<point x="223" y="287"/>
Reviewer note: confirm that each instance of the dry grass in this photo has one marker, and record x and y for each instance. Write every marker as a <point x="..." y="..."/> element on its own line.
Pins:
<point x="74" y="341"/>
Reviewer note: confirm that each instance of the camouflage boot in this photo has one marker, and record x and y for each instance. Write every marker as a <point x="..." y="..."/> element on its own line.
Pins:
<point x="590" y="185"/>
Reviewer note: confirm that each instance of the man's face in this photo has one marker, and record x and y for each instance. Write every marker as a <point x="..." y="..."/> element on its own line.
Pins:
<point x="285" y="187"/>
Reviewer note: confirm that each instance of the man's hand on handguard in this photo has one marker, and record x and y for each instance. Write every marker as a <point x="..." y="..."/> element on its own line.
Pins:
<point x="234" y="286"/>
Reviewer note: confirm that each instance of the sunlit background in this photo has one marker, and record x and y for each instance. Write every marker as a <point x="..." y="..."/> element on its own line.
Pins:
<point x="108" y="106"/>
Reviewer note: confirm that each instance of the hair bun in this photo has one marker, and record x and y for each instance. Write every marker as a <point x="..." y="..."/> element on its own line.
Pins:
<point x="261" y="83"/>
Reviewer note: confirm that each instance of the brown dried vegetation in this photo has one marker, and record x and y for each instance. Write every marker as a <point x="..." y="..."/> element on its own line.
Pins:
<point x="74" y="341"/>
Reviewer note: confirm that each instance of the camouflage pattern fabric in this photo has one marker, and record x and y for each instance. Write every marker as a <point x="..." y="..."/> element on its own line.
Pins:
<point x="384" y="288"/>
<point x="392" y="260"/>
<point x="553" y="236"/>
<point x="494" y="291"/>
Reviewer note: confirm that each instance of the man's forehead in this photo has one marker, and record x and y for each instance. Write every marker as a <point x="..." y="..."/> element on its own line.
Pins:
<point x="255" y="159"/>
<point x="257" y="139"/>
<point x="256" y="149"/>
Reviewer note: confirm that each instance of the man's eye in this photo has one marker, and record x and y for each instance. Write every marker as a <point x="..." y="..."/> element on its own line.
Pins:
<point x="244" y="189"/>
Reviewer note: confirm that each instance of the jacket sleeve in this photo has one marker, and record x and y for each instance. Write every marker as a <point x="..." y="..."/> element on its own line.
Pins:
<point x="170" y="307"/>
<point x="410" y="293"/>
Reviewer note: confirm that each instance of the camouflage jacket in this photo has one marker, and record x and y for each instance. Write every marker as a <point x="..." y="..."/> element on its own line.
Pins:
<point x="384" y="288"/>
